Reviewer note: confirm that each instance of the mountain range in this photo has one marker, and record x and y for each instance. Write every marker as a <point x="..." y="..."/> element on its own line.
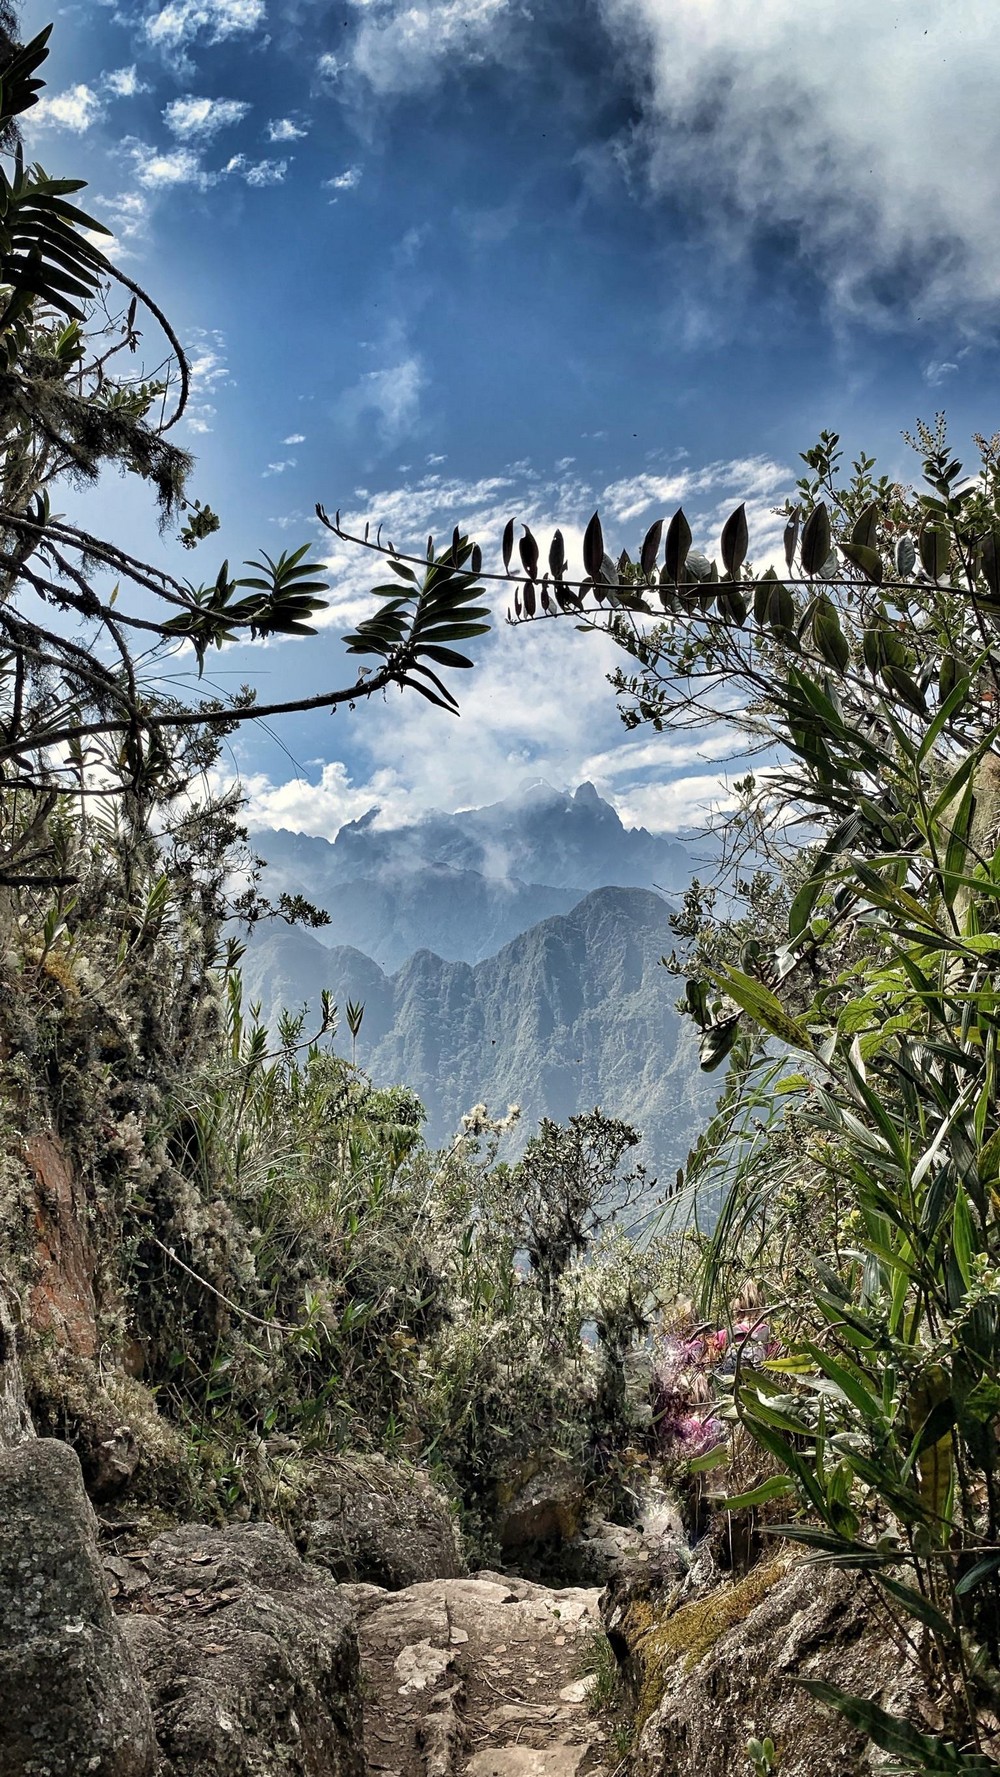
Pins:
<point x="463" y="885"/>
<point x="480" y="984"/>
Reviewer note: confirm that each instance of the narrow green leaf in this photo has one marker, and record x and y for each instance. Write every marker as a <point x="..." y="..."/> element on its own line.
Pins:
<point x="772" y="1488"/>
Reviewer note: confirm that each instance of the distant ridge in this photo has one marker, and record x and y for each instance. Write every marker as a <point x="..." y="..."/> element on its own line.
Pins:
<point x="464" y="884"/>
<point x="573" y="1012"/>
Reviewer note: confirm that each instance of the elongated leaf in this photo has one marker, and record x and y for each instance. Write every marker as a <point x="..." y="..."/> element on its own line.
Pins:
<point x="868" y="560"/>
<point x="735" y="541"/>
<point x="443" y="656"/>
<point x="918" y="1605"/>
<point x="953" y="701"/>
<point x="990" y="560"/>
<point x="593" y="547"/>
<point x="528" y="551"/>
<point x="772" y="1488"/>
<point x="651" y="547"/>
<point x="963" y="1235"/>
<point x="865" y="527"/>
<point x="508" y="543"/>
<point x="781" y="609"/>
<point x="935" y="551"/>
<point x="790" y="540"/>
<point x="764" y="1007"/>
<point x="815" y="540"/>
<point x="893" y="1733"/>
<point x="829" y="637"/>
<point x="676" y="547"/>
<point x="792" y="1460"/>
<point x="716" y="1043"/>
<point x="850" y="1382"/>
<point x="962" y="774"/>
<point x="976" y="1575"/>
<point x="906" y="557"/>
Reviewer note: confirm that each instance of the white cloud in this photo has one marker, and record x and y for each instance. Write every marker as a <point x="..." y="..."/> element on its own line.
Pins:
<point x="401" y="48"/>
<point x="181" y="22"/>
<point x="278" y="468"/>
<point x="75" y="109"/>
<point x="345" y="181"/>
<point x="868" y="135"/>
<point x="294" y="438"/>
<point x="189" y="116"/>
<point x="158" y="169"/>
<point x="872" y="133"/>
<point x="256" y="172"/>
<point x="282" y="129"/>
<point x="537" y="703"/>
<point x="206" y="352"/>
<point x="937" y="371"/>
<point x="392" y="394"/>
<point x="323" y="806"/>
<point x="127" y="215"/>
<point x="682" y="802"/>
<point x="124" y="83"/>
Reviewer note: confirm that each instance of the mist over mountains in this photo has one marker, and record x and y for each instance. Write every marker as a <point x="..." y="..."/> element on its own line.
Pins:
<point x="463" y="885"/>
<point x="508" y="954"/>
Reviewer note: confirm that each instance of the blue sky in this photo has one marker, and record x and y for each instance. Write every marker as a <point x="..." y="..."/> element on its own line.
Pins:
<point x="460" y="259"/>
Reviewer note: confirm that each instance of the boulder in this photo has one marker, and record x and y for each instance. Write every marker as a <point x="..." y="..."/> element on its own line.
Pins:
<point x="73" y="1701"/>
<point x="712" y="1672"/>
<point x="544" y="1505"/>
<point x="654" y="1544"/>
<point x="250" y="1657"/>
<point x="385" y="1524"/>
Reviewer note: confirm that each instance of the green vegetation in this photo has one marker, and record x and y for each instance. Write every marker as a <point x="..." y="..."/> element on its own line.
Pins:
<point x="290" y="1268"/>
<point x="231" y="1254"/>
<point x="268" y="1261"/>
<point x="860" y="1180"/>
<point x="85" y="626"/>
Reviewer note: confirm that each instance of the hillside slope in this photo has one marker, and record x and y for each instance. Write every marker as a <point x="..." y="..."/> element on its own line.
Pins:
<point x="574" y="1012"/>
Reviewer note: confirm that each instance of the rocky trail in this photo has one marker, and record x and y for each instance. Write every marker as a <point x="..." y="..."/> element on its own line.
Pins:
<point x="478" y="1677"/>
<point x="219" y="1651"/>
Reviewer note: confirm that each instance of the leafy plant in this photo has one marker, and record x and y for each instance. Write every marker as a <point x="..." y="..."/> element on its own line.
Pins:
<point x="861" y="1176"/>
<point x="763" y="1757"/>
<point x="82" y="706"/>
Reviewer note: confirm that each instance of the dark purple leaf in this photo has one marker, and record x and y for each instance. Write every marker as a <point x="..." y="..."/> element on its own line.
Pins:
<point x="735" y="541"/>
<point x="593" y="547"/>
<point x="557" y="556"/>
<point x="675" y="550"/>
<point x="651" y="547"/>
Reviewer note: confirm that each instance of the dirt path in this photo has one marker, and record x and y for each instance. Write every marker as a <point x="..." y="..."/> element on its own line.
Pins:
<point x="478" y="1678"/>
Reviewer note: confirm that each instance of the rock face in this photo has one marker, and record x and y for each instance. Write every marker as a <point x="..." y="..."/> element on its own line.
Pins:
<point x="62" y="1297"/>
<point x="15" y="1420"/>
<point x="546" y="1506"/>
<point x="573" y="1012"/>
<point x="250" y="1657"/>
<point x="478" y="1676"/>
<point x="379" y="1522"/>
<point x="722" y="1668"/>
<point x="72" y="1698"/>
